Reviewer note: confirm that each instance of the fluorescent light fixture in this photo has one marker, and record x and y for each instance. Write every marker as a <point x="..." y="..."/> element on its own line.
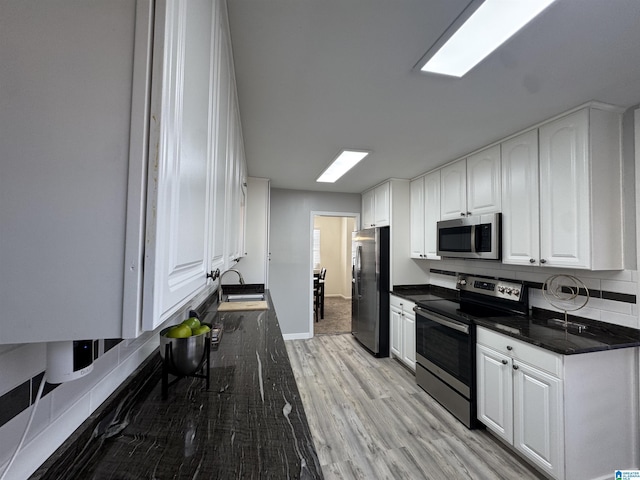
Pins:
<point x="341" y="165"/>
<point x="477" y="32"/>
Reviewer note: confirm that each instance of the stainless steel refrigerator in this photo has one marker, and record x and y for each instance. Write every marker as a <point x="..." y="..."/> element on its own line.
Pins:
<point x="370" y="290"/>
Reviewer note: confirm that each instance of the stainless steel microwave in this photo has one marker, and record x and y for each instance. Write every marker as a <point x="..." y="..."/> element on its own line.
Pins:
<point x="476" y="236"/>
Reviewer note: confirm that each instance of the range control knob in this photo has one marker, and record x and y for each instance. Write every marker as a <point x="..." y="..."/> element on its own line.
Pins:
<point x="508" y="290"/>
<point x="462" y="281"/>
<point x="500" y="289"/>
<point x="516" y="292"/>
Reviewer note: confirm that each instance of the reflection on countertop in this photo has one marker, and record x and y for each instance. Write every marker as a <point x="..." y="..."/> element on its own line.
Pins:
<point x="250" y="423"/>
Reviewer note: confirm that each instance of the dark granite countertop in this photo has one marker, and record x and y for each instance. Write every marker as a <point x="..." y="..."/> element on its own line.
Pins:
<point x="543" y="329"/>
<point x="249" y="424"/>
<point x="540" y="328"/>
<point x="424" y="293"/>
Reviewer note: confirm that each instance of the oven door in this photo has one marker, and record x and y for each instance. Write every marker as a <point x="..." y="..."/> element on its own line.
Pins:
<point x="445" y="347"/>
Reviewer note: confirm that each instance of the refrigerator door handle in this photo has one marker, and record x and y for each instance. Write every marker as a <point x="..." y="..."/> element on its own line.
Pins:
<point x="358" y="270"/>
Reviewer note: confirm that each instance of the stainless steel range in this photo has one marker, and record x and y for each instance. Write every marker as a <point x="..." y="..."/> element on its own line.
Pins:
<point x="445" y="339"/>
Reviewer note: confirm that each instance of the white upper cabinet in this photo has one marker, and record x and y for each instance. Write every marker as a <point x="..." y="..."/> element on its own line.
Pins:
<point x="520" y="209"/>
<point x="425" y="213"/>
<point x="581" y="191"/>
<point x="222" y="87"/>
<point x="376" y="206"/>
<point x="483" y="182"/>
<point x="454" y="190"/>
<point x="472" y="186"/>
<point x="139" y="188"/>
<point x="73" y="167"/>
<point x="180" y="184"/>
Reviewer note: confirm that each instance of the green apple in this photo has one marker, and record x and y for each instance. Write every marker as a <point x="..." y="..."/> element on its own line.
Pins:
<point x="201" y="329"/>
<point x="179" y="331"/>
<point x="192" y="322"/>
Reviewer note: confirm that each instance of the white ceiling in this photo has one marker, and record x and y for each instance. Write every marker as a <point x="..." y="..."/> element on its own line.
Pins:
<point x="317" y="76"/>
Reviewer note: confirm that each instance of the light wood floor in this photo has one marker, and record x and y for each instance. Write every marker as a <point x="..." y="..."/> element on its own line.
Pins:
<point x="369" y="420"/>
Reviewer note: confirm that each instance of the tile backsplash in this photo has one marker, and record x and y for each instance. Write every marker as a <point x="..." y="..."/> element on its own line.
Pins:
<point x="612" y="294"/>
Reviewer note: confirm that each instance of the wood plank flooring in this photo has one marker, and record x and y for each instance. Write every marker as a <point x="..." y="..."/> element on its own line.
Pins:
<point x="369" y="420"/>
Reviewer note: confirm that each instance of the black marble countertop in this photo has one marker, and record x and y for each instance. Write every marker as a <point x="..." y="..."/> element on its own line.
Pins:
<point x="546" y="329"/>
<point x="424" y="293"/>
<point x="541" y="328"/>
<point x="249" y="424"/>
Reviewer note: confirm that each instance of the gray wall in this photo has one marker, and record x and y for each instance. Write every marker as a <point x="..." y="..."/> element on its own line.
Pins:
<point x="290" y="241"/>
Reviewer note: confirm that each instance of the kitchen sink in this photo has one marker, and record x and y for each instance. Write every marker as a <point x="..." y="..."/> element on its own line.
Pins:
<point x="244" y="297"/>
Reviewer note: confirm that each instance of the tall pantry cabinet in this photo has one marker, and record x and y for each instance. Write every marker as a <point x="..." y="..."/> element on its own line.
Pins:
<point x="116" y="186"/>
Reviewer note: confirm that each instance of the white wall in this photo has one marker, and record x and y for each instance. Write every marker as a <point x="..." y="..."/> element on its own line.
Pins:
<point x="290" y="281"/>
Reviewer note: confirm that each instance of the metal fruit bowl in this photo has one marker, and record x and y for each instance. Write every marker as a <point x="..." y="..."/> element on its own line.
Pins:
<point x="186" y="355"/>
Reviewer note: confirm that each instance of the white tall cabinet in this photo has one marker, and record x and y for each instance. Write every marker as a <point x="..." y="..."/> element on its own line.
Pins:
<point x="425" y="213"/>
<point x="520" y="208"/>
<point x="132" y="188"/>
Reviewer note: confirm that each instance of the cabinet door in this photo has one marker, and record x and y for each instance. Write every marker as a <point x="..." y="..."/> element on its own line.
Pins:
<point x="382" y="204"/>
<point x="177" y="263"/>
<point x="537" y="409"/>
<point x="495" y="387"/>
<point x="417" y="218"/>
<point x="223" y="82"/>
<point x="453" y="190"/>
<point x="520" y="213"/>
<point x="368" y="208"/>
<point x="74" y="91"/>
<point x="409" y="337"/>
<point x="483" y="181"/>
<point x="564" y="192"/>
<point x="396" y="331"/>
<point x="431" y="214"/>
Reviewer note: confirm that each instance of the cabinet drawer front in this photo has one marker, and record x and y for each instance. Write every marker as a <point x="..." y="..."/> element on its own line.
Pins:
<point x="538" y="357"/>
<point x="401" y="304"/>
<point x="396" y="301"/>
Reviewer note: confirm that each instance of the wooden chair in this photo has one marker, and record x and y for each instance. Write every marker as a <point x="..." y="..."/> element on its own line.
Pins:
<point x="316" y="297"/>
<point x="323" y="274"/>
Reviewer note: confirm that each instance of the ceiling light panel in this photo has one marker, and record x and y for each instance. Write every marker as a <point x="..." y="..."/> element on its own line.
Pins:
<point x="341" y="165"/>
<point x="490" y="25"/>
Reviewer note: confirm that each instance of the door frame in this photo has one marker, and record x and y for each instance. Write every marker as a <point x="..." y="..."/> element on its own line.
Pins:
<point x="313" y="214"/>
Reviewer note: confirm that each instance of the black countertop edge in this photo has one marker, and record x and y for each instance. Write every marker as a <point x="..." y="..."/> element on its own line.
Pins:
<point x="249" y="423"/>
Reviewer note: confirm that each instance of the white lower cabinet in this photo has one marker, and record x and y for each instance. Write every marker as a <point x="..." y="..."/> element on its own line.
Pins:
<point x="403" y="331"/>
<point x="555" y="410"/>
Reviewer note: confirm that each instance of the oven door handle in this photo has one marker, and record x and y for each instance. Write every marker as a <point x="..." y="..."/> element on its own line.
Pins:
<point x="460" y="327"/>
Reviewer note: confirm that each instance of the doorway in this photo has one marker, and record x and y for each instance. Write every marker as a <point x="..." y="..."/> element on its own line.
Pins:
<point x="332" y="251"/>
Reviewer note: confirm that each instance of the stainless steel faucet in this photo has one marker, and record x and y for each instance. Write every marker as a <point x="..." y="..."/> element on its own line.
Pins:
<point x="220" y="281"/>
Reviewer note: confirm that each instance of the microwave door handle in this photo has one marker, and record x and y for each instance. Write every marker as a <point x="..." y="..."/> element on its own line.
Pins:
<point x="474" y="248"/>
